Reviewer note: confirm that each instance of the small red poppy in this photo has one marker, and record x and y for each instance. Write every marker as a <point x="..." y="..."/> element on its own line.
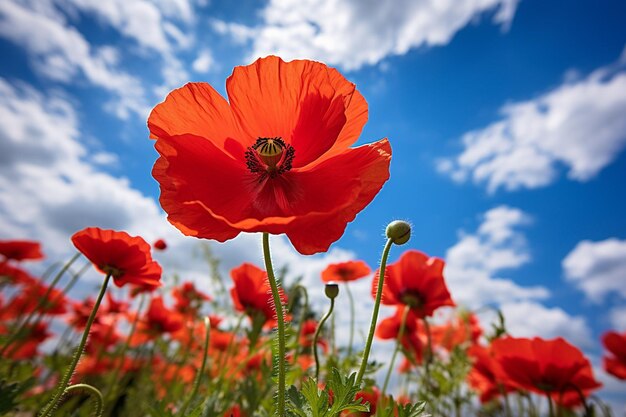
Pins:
<point x="345" y="271"/>
<point x="615" y="363"/>
<point x="160" y="244"/>
<point x="251" y="293"/>
<point x="275" y="158"/>
<point x="548" y="367"/>
<point x="125" y="257"/>
<point x="21" y="250"/>
<point x="415" y="280"/>
<point x="413" y="335"/>
<point x="188" y="298"/>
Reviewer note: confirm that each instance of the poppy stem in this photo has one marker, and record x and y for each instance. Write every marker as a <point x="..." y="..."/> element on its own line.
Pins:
<point x="351" y="319"/>
<point x="280" y="319"/>
<point x="405" y="313"/>
<point x="379" y="295"/>
<point x="429" y="352"/>
<point x="196" y="383"/>
<point x="550" y="405"/>
<point x="304" y="307"/>
<point x="42" y="303"/>
<point x="79" y="351"/>
<point x="317" y="335"/>
<point x="93" y="392"/>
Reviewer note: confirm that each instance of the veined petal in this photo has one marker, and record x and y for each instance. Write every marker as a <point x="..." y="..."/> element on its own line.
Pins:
<point x="197" y="109"/>
<point x="304" y="102"/>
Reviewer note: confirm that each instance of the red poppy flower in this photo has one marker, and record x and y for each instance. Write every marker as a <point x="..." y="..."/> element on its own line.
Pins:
<point x="345" y="271"/>
<point x="26" y="347"/>
<point x="415" y="280"/>
<point x="20" y="250"/>
<point x="615" y="364"/>
<point x="483" y="377"/>
<point x="30" y="299"/>
<point x="460" y="331"/>
<point x="276" y="158"/>
<point x="188" y="298"/>
<point x="160" y="244"/>
<point x="368" y="395"/>
<point x="126" y="258"/>
<point x="548" y="367"/>
<point x="251" y="293"/>
<point x="412" y="338"/>
<point x="15" y="275"/>
<point x="156" y="321"/>
<point x="308" y="335"/>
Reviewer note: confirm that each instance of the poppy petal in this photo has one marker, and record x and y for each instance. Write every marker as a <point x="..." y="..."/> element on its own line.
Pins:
<point x="303" y="102"/>
<point x="197" y="109"/>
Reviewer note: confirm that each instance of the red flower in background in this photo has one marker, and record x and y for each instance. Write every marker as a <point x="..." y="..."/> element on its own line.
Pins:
<point x="415" y="280"/>
<point x="156" y="321"/>
<point x="615" y="363"/>
<point x="460" y="331"/>
<point x="276" y="158"/>
<point x="369" y="395"/>
<point x="483" y="376"/>
<point x="33" y="298"/>
<point x="26" y="347"/>
<point x="548" y="367"/>
<point x="412" y="338"/>
<point x="160" y="244"/>
<point x="251" y="293"/>
<point x="345" y="271"/>
<point x="126" y="258"/>
<point x="20" y="250"/>
<point x="15" y="275"/>
<point x="188" y="298"/>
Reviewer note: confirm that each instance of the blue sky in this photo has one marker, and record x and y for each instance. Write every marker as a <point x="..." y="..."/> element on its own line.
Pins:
<point x="506" y="120"/>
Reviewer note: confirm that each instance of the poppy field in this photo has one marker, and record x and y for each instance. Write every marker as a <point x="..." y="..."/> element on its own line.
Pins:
<point x="275" y="158"/>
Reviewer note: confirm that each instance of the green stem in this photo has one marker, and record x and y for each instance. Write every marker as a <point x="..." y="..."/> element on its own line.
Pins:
<point x="118" y="367"/>
<point x="196" y="383"/>
<point x="280" y="319"/>
<point x="405" y="313"/>
<point x="305" y="307"/>
<point x="351" y="319"/>
<point x="379" y="294"/>
<point x="93" y="392"/>
<point x="70" y="371"/>
<point x="429" y="352"/>
<point x="40" y="304"/>
<point x="550" y="405"/>
<point x="317" y="335"/>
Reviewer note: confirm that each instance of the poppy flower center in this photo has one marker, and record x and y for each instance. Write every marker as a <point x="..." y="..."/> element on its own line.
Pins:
<point x="269" y="157"/>
<point x="412" y="299"/>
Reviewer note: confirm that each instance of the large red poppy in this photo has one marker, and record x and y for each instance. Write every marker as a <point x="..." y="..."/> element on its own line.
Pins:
<point x="274" y="158"/>
<point x="345" y="271"/>
<point x="549" y="367"/>
<point x="125" y="257"/>
<point x="485" y="373"/>
<point x="20" y="250"/>
<point x="415" y="280"/>
<point x="615" y="363"/>
<point x="251" y="293"/>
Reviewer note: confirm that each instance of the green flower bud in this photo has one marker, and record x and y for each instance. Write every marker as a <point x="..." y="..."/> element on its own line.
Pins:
<point x="399" y="232"/>
<point x="332" y="290"/>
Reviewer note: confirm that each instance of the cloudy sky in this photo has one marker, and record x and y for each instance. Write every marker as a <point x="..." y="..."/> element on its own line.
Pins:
<point x="506" y="119"/>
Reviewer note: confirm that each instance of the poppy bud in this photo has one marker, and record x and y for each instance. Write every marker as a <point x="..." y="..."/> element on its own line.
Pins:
<point x="399" y="232"/>
<point x="331" y="290"/>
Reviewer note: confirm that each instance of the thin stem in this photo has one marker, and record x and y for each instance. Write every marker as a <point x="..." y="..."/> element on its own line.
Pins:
<point x="122" y="355"/>
<point x="305" y="307"/>
<point x="429" y="351"/>
<point x="405" y="313"/>
<point x="317" y="335"/>
<point x="196" y="383"/>
<point x="351" y="319"/>
<point x="70" y="371"/>
<point x="379" y="294"/>
<point x="280" y="319"/>
<point x="550" y="405"/>
<point x="41" y="303"/>
<point x="93" y="392"/>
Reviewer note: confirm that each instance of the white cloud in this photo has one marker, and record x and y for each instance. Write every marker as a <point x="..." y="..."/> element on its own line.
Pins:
<point x="60" y="52"/>
<point x="597" y="268"/>
<point x="618" y="318"/>
<point x="204" y="62"/>
<point x="353" y="33"/>
<point x="473" y="263"/>
<point x="578" y="125"/>
<point x="531" y="319"/>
